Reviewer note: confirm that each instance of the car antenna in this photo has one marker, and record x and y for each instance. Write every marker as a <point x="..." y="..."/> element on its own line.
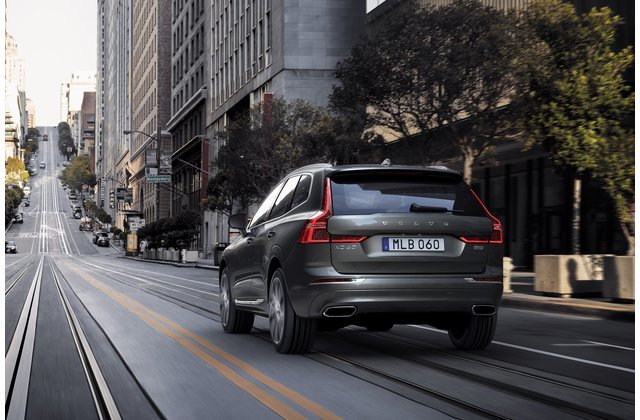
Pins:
<point x="386" y="162"/>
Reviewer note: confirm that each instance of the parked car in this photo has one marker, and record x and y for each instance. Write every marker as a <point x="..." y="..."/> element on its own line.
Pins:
<point x="73" y="195"/>
<point x="369" y="245"/>
<point x="98" y="235"/>
<point x="77" y="215"/>
<point x="26" y="202"/>
<point x="18" y="218"/>
<point x="10" y="247"/>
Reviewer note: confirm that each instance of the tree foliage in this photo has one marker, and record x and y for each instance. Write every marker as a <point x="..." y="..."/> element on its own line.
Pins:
<point x="103" y="216"/>
<point x="66" y="145"/>
<point x="15" y="171"/>
<point x="78" y="173"/>
<point x="12" y="198"/>
<point x="177" y="232"/>
<point x="263" y="145"/>
<point x="453" y="68"/>
<point x="582" y="108"/>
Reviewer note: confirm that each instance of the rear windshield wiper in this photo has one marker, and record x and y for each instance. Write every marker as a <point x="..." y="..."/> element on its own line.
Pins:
<point x="432" y="209"/>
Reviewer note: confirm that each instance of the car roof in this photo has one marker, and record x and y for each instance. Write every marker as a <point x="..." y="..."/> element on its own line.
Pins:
<point x="330" y="169"/>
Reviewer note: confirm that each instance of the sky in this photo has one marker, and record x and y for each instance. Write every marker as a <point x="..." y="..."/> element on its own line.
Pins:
<point x="55" y="39"/>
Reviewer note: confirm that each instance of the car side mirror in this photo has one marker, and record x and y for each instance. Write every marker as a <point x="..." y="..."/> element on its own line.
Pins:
<point x="238" y="221"/>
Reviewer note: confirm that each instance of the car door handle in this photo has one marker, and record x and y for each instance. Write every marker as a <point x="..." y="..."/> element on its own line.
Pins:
<point x="271" y="234"/>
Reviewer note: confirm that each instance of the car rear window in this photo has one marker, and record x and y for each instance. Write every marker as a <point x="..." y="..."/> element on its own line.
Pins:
<point x="394" y="192"/>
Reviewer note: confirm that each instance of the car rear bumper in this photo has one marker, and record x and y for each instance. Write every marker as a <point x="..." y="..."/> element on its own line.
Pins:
<point x="382" y="294"/>
<point x="373" y="301"/>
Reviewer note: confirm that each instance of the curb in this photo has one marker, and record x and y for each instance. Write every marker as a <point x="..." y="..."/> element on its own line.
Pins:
<point x="571" y="308"/>
<point x="173" y="263"/>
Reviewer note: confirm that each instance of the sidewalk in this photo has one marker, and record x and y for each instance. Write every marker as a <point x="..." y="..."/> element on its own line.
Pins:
<point x="522" y="296"/>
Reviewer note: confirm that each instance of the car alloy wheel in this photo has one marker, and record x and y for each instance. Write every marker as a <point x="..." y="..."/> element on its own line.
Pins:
<point x="233" y="320"/>
<point x="289" y="332"/>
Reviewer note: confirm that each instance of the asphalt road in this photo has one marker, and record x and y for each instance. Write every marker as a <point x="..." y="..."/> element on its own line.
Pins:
<point x="89" y="334"/>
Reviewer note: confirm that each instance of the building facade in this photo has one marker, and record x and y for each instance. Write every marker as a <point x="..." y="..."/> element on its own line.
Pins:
<point x="285" y="48"/>
<point x="88" y="127"/>
<point x="113" y="106"/>
<point x="189" y="105"/>
<point x="150" y="104"/>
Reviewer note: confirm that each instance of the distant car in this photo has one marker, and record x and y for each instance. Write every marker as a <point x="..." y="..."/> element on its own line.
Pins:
<point x="77" y="215"/>
<point x="65" y="163"/>
<point x="99" y="235"/>
<point x="73" y="195"/>
<point x="85" y="223"/>
<point x="26" y="203"/>
<point x="18" y="218"/>
<point x="10" y="247"/>
<point x="27" y="191"/>
<point x="43" y="165"/>
<point x="103" y="241"/>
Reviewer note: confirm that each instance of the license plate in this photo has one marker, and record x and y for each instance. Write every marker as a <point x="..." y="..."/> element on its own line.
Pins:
<point x="413" y="244"/>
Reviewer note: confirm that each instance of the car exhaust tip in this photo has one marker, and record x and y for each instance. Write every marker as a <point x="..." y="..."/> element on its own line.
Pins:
<point x="339" y="311"/>
<point x="483" y="310"/>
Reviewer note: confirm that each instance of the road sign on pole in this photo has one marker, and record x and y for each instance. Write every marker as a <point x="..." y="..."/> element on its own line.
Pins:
<point x="159" y="178"/>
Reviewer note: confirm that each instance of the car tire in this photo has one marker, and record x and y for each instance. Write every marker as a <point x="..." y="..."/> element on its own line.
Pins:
<point x="290" y="333"/>
<point x="233" y="320"/>
<point x="473" y="332"/>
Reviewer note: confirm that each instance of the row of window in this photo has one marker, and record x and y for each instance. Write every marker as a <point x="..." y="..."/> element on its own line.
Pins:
<point x="192" y="126"/>
<point x="191" y="54"/>
<point x="243" y="49"/>
<point x="195" y="82"/>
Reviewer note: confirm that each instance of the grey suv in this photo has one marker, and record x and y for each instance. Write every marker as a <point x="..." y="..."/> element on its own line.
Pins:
<point x="369" y="245"/>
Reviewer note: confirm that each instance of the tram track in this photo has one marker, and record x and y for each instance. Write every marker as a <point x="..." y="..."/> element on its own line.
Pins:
<point x="454" y="366"/>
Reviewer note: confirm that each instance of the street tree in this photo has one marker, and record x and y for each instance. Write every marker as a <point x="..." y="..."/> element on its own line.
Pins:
<point x="453" y="69"/>
<point x="78" y="174"/>
<point x="581" y="107"/>
<point x="66" y="145"/>
<point x="15" y="171"/>
<point x="12" y="198"/>
<point x="266" y="143"/>
<point x="33" y="133"/>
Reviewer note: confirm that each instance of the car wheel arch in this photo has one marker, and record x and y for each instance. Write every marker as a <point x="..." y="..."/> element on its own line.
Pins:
<point x="274" y="264"/>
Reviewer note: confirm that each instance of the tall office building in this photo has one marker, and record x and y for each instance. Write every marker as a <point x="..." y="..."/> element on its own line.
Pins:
<point x="150" y="103"/>
<point x="189" y="105"/>
<point x="288" y="49"/>
<point x="14" y="70"/>
<point x="113" y="106"/>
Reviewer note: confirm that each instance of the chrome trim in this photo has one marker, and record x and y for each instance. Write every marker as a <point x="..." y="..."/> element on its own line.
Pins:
<point x="248" y="302"/>
<point x="324" y="313"/>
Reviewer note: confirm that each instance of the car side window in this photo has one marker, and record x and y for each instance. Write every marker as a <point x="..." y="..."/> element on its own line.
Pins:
<point x="265" y="207"/>
<point x="302" y="191"/>
<point x="284" y="199"/>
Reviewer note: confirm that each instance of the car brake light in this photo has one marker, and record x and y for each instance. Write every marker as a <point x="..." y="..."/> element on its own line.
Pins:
<point x="496" y="233"/>
<point x="315" y="230"/>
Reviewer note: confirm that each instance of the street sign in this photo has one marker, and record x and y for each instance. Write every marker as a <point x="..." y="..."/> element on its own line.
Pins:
<point x="133" y="227"/>
<point x="159" y="179"/>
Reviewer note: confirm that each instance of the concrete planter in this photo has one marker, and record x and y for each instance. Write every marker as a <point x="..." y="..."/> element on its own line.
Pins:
<point x="175" y="255"/>
<point x="152" y="254"/>
<point x="190" y="256"/>
<point x="619" y="277"/>
<point x="569" y="275"/>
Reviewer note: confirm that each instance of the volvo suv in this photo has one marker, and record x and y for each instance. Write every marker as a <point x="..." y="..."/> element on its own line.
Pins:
<point x="366" y="245"/>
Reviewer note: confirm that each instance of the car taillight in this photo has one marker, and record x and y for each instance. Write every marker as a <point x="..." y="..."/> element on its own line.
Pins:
<point x="496" y="233"/>
<point x="315" y="230"/>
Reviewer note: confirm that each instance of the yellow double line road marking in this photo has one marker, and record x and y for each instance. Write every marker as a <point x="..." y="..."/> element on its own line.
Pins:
<point x="178" y="333"/>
